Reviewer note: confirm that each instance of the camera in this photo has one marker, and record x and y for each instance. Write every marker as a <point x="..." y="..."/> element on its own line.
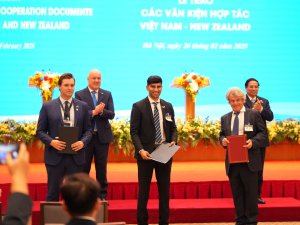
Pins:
<point x="5" y="149"/>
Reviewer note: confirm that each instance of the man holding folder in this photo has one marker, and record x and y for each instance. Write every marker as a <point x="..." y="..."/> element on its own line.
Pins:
<point x="152" y="123"/>
<point x="243" y="175"/>
<point x="63" y="112"/>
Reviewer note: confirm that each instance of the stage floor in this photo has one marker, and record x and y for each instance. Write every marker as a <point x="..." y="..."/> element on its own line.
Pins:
<point x="181" y="171"/>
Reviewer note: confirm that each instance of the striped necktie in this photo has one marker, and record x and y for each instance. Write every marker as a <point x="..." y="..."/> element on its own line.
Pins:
<point x="157" y="124"/>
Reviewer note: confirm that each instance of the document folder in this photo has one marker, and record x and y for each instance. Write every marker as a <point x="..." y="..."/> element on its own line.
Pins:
<point x="236" y="152"/>
<point x="163" y="153"/>
<point x="70" y="136"/>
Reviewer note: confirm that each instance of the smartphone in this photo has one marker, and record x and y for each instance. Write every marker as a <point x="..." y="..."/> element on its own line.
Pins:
<point x="5" y="149"/>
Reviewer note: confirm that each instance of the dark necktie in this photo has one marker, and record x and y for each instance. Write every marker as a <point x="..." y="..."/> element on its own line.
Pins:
<point x="235" y="129"/>
<point x="67" y="111"/>
<point x="94" y="97"/>
<point x="95" y="103"/>
<point x="157" y="124"/>
<point x="253" y="100"/>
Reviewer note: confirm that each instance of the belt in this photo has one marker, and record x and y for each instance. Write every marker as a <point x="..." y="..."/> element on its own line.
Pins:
<point x="94" y="132"/>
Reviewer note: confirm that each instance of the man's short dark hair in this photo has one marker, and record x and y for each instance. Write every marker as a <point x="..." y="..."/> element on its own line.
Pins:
<point x="154" y="80"/>
<point x="65" y="76"/>
<point x="80" y="193"/>
<point x="250" y="79"/>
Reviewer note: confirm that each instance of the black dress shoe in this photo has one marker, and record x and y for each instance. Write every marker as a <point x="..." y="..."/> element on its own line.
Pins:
<point x="261" y="201"/>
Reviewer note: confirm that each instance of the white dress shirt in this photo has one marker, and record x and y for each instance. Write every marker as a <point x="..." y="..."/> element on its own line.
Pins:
<point x="72" y="113"/>
<point x="241" y="117"/>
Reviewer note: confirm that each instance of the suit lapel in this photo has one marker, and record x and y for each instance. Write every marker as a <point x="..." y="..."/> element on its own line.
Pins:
<point x="76" y="111"/>
<point x="248" y="104"/>
<point x="163" y="110"/>
<point x="100" y="96"/>
<point x="228" y="123"/>
<point x="58" y="110"/>
<point x="149" y="110"/>
<point x="89" y="98"/>
<point x="246" y="117"/>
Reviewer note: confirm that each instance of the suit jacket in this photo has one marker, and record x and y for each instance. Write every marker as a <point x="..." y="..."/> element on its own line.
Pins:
<point x="79" y="221"/>
<point x="258" y="136"/>
<point x="50" y="119"/>
<point x="18" y="209"/>
<point x="103" y="126"/>
<point x="142" y="129"/>
<point x="266" y="113"/>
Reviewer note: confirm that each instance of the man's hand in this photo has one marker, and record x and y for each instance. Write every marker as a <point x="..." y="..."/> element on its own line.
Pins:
<point x="258" y="105"/>
<point x="145" y="154"/>
<point x="77" y="146"/>
<point x="58" y="145"/>
<point x="19" y="169"/>
<point x="225" y="142"/>
<point x="99" y="108"/>
<point x="172" y="143"/>
<point x="248" y="144"/>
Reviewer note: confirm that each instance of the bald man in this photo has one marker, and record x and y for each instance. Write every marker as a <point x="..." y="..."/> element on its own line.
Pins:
<point x="101" y="110"/>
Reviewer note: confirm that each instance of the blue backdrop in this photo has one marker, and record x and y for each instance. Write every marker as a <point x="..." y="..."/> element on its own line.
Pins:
<point x="227" y="41"/>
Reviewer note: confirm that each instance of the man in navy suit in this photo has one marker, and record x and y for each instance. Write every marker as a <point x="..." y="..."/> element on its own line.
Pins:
<point x="80" y="199"/>
<point x="147" y="133"/>
<point x="261" y="105"/>
<point x="243" y="176"/>
<point x="53" y="115"/>
<point x="101" y="110"/>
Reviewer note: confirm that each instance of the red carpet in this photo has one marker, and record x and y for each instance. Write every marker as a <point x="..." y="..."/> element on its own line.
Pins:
<point x="200" y="192"/>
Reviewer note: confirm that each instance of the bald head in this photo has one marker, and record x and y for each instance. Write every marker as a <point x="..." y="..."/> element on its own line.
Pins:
<point x="94" y="79"/>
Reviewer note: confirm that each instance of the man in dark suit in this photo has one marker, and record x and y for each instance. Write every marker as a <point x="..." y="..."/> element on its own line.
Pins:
<point x="152" y="122"/>
<point x="80" y="198"/>
<point x="101" y="110"/>
<point x="243" y="176"/>
<point x="261" y="105"/>
<point x="19" y="204"/>
<point x="63" y="111"/>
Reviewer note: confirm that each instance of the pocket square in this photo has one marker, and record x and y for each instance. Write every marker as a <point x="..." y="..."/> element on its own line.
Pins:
<point x="168" y="117"/>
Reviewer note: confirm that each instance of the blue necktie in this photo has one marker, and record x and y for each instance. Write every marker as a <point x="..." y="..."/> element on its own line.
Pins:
<point x="157" y="124"/>
<point x="235" y="129"/>
<point x="94" y="97"/>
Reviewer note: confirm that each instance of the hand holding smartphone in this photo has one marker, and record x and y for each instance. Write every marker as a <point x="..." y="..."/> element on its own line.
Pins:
<point x="16" y="158"/>
<point x="5" y="149"/>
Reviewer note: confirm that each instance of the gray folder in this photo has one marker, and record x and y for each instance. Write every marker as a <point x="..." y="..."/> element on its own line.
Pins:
<point x="163" y="153"/>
